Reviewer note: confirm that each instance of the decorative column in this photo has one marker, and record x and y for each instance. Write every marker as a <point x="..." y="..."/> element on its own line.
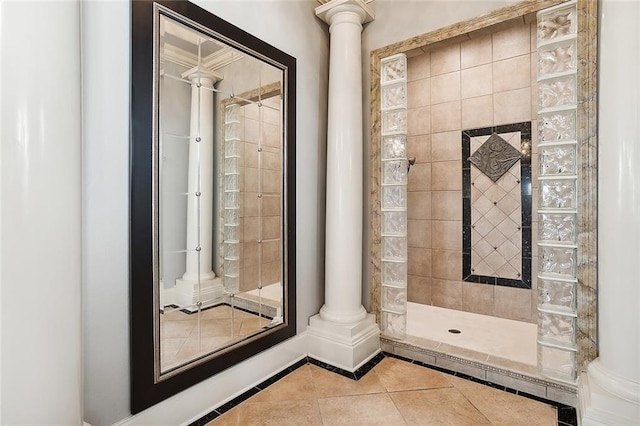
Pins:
<point x="609" y="392"/>
<point x="199" y="274"/>
<point x="343" y="334"/>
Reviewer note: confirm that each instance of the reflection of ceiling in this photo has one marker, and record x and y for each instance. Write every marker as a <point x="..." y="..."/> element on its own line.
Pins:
<point x="180" y="46"/>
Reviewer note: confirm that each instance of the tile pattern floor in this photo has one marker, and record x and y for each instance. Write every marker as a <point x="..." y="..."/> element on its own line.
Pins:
<point x="394" y="392"/>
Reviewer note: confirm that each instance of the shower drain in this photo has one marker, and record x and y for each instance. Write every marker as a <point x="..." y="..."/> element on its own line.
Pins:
<point x="454" y="331"/>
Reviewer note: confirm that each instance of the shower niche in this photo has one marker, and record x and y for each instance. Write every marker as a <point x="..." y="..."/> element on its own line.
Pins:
<point x="212" y="209"/>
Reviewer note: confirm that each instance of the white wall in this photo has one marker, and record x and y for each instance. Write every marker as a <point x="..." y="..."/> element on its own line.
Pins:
<point x="41" y="211"/>
<point x="398" y="20"/>
<point x="106" y="47"/>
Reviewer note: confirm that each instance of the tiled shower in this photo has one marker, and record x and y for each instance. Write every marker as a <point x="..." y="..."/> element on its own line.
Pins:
<point x="471" y="240"/>
<point x="473" y="121"/>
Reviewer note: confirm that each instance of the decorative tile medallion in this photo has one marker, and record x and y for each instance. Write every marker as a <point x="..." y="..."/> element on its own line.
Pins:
<point x="495" y="157"/>
<point x="496" y="205"/>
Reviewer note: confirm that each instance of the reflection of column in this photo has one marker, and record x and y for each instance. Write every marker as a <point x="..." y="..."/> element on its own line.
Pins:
<point x="609" y="393"/>
<point x="200" y="183"/>
<point x="343" y="334"/>
<point x="199" y="195"/>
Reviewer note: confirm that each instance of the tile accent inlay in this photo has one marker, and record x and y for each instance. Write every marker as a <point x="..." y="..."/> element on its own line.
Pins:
<point x="495" y="157"/>
<point x="497" y="205"/>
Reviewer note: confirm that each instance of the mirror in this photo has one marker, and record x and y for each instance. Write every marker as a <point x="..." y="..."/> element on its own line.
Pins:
<point x="212" y="185"/>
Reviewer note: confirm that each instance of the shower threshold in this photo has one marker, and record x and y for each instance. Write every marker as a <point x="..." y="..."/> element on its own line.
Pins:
<point x="487" y="348"/>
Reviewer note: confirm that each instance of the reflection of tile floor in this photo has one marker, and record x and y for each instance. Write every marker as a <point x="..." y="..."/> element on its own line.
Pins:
<point x="394" y="392"/>
<point x="185" y="337"/>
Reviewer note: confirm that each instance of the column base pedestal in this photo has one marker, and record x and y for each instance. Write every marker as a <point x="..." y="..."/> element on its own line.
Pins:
<point x="346" y="346"/>
<point x="185" y="293"/>
<point x="604" y="399"/>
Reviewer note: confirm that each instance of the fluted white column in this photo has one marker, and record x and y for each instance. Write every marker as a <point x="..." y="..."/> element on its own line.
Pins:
<point x="610" y="391"/>
<point x="343" y="319"/>
<point x="200" y="179"/>
<point x="40" y="199"/>
<point x="197" y="285"/>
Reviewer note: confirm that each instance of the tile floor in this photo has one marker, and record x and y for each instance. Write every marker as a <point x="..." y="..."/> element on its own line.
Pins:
<point x="394" y="392"/>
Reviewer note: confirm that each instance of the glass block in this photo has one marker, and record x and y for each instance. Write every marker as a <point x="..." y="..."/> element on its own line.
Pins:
<point x="231" y="267"/>
<point x="557" y="227"/>
<point x="394" y="299"/>
<point x="232" y="250"/>
<point x="394" y="121"/>
<point x="394" y="223"/>
<point x="558" y="193"/>
<point x="231" y="216"/>
<point x="394" y="172"/>
<point x="394" y="325"/>
<point x="232" y="131"/>
<point x="557" y="92"/>
<point x="557" y="363"/>
<point x="232" y="181"/>
<point x="557" y="328"/>
<point x="232" y="113"/>
<point x="231" y="284"/>
<point x="558" y="260"/>
<point x="394" y="197"/>
<point x="394" y="147"/>
<point x="232" y="199"/>
<point x="557" y="58"/>
<point x="558" y="126"/>
<point x="231" y="233"/>
<point x="232" y="148"/>
<point x="557" y="293"/>
<point x="394" y="273"/>
<point x="231" y="165"/>
<point x="558" y="160"/>
<point x="395" y="69"/>
<point x="394" y="95"/>
<point x="394" y="248"/>
<point x="558" y="23"/>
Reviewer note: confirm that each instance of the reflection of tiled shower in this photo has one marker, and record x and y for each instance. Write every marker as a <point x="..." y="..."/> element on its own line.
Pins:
<point x="252" y="194"/>
<point x="554" y="160"/>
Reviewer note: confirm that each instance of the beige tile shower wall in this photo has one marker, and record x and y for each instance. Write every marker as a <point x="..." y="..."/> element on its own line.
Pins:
<point x="482" y="82"/>
<point x="271" y="176"/>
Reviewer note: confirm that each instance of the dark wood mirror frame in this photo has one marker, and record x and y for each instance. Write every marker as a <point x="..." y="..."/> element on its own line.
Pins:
<point x="145" y="389"/>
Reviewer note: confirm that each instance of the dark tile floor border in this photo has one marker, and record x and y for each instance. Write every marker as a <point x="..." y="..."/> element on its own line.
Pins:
<point x="566" y="413"/>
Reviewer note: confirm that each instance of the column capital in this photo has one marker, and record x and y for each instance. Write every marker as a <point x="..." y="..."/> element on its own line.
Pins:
<point x="204" y="74"/>
<point x="327" y="11"/>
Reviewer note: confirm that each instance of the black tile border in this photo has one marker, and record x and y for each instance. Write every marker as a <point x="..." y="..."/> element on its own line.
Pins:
<point x="526" y="204"/>
<point x="356" y="375"/>
<point x="188" y="312"/>
<point x="566" y="414"/>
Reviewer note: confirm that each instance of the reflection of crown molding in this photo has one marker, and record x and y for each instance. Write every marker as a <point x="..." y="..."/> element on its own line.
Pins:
<point x="178" y="56"/>
<point x="221" y="58"/>
<point x="213" y="62"/>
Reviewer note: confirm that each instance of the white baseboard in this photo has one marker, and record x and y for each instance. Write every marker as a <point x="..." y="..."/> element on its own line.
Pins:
<point x="223" y="387"/>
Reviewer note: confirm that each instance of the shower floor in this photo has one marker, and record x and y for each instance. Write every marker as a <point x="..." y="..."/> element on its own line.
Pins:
<point x="498" y="338"/>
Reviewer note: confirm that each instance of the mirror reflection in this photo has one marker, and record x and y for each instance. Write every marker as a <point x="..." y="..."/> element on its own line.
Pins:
<point x="219" y="191"/>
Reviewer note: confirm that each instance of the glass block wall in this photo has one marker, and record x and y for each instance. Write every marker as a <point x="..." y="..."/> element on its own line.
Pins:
<point x="393" y="82"/>
<point x="557" y="202"/>
<point x="231" y="200"/>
